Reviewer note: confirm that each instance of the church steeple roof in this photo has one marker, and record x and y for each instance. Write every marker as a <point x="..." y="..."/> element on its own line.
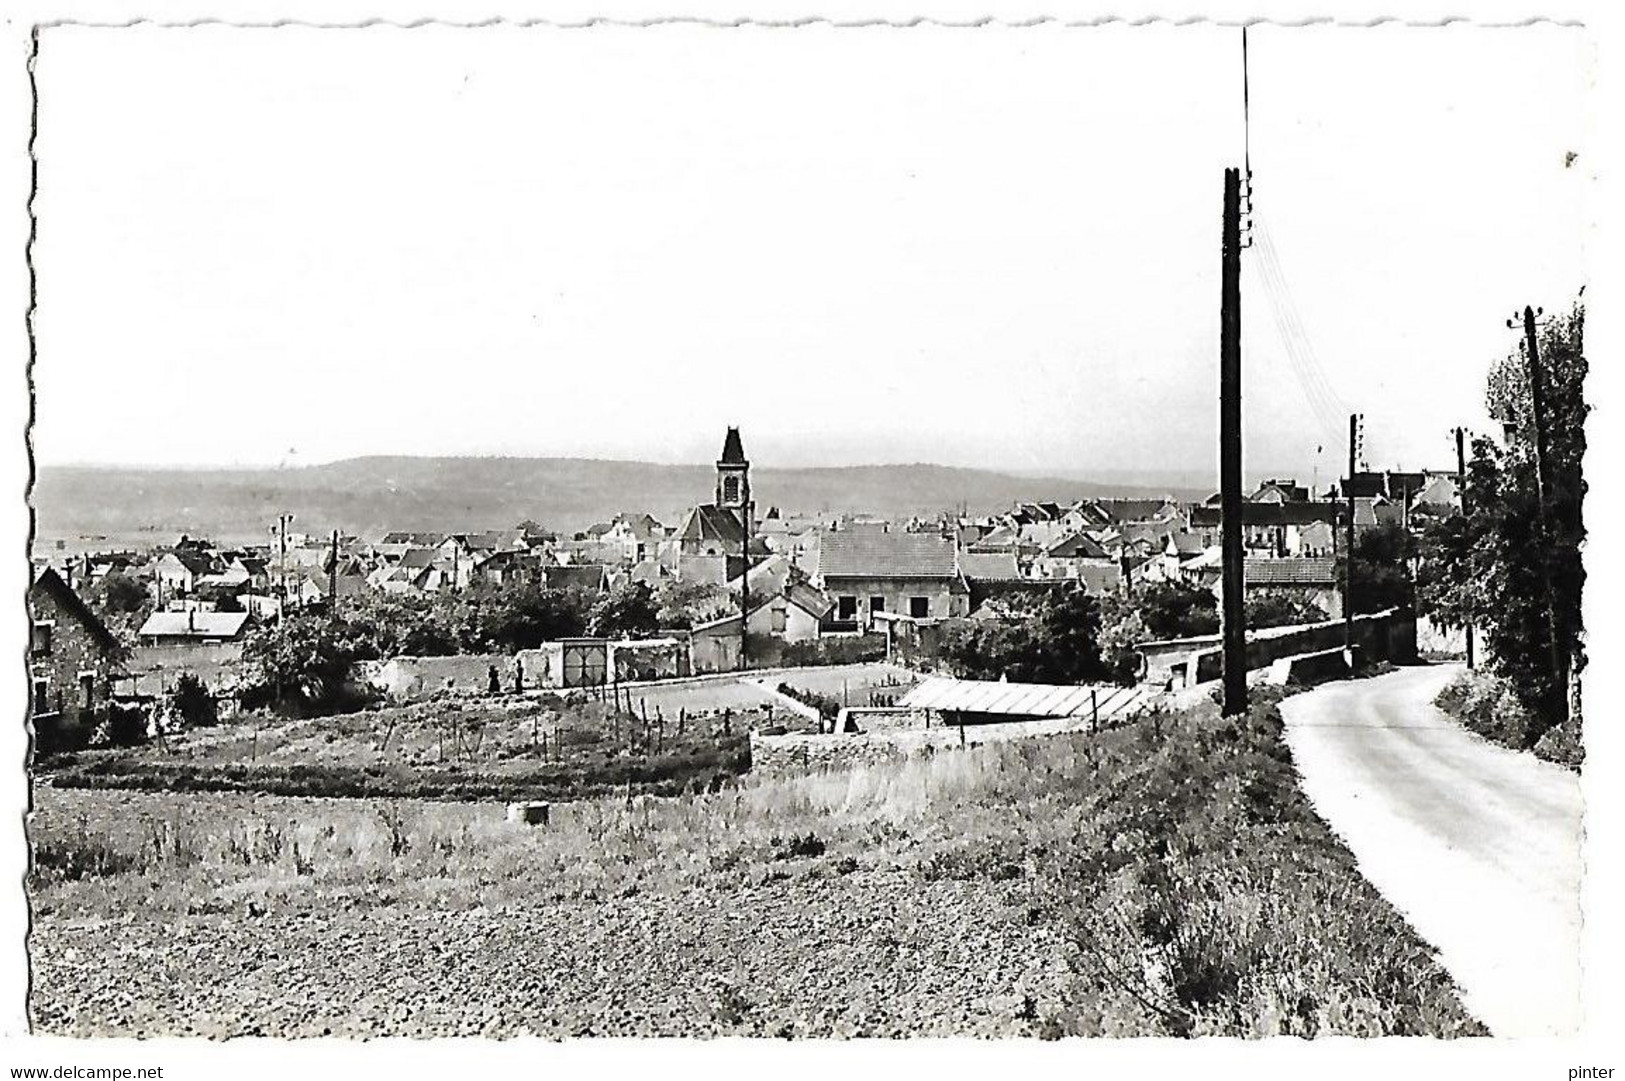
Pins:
<point x="733" y="449"/>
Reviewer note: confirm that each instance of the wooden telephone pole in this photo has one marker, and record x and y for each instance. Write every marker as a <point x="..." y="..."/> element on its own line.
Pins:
<point x="1348" y="537"/>
<point x="744" y="607"/>
<point x="1466" y="510"/>
<point x="1234" y="584"/>
<point x="1543" y="490"/>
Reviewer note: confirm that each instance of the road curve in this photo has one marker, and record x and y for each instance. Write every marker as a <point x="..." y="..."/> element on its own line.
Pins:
<point x="1478" y="846"/>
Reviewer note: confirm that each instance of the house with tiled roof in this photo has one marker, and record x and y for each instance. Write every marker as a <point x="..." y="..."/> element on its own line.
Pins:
<point x="193" y="627"/>
<point x="993" y="575"/>
<point x="73" y="660"/>
<point x="1297" y="528"/>
<point x="177" y="573"/>
<point x="1122" y="511"/>
<point x="1363" y="485"/>
<point x="1280" y="491"/>
<point x="1065" y="557"/>
<point x="795" y="612"/>
<point x="1311" y="578"/>
<point x="397" y="541"/>
<point x="991" y="567"/>
<point x="869" y="572"/>
<point x="1438" y="496"/>
<point x="1002" y="537"/>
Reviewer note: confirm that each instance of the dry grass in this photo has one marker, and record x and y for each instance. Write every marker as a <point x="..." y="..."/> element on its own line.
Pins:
<point x="201" y="851"/>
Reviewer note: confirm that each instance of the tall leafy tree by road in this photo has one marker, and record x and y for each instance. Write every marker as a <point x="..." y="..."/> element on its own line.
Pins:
<point x="1493" y="566"/>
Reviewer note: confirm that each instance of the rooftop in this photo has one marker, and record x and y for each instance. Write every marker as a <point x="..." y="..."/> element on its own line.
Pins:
<point x="1317" y="571"/>
<point x="873" y="554"/>
<point x="194" y="624"/>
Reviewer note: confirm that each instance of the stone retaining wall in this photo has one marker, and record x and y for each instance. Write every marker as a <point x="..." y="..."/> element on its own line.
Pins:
<point x="1383" y="636"/>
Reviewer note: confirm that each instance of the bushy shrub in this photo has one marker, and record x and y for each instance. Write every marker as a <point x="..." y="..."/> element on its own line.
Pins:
<point x="1511" y="723"/>
<point x="191" y="703"/>
<point x="828" y="706"/>
<point x="837" y="650"/>
<point x="1453" y="698"/>
<point x="125" y="726"/>
<point x="1562" y="745"/>
<point x="1488" y="703"/>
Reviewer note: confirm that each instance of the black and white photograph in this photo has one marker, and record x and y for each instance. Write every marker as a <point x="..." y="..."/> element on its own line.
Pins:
<point x="824" y="530"/>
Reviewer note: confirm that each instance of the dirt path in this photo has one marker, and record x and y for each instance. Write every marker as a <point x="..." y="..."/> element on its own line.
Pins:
<point x="1478" y="846"/>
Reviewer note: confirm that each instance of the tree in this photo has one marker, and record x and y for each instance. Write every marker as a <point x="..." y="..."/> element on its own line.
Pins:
<point x="304" y="663"/>
<point x="1175" y="610"/>
<point x="1382" y="576"/>
<point x="1490" y="566"/>
<point x="1278" y="608"/>
<point x="627" y="611"/>
<point x="1054" y="639"/>
<point x="1122" y="629"/>
<point x="119" y="594"/>
<point x="525" y="614"/>
<point x="123" y="605"/>
<point x="681" y="605"/>
<point x="190" y="702"/>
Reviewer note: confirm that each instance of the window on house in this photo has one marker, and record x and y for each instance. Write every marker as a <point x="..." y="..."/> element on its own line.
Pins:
<point x="781" y="620"/>
<point x="919" y="607"/>
<point x="87" y="690"/>
<point x="877" y="604"/>
<point x="43" y="633"/>
<point x="42" y="696"/>
<point x="846" y="608"/>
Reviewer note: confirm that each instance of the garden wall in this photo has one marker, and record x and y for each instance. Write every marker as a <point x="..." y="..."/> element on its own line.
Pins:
<point x="406" y="678"/>
<point x="1383" y="636"/>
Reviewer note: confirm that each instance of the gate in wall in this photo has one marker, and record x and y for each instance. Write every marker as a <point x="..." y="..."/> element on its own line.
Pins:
<point x="586" y="662"/>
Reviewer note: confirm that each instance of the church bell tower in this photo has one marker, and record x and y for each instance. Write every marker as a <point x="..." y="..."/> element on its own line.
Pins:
<point x="733" y="483"/>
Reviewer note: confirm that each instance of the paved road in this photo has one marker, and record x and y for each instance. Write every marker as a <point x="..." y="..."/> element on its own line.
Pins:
<point x="1478" y="846"/>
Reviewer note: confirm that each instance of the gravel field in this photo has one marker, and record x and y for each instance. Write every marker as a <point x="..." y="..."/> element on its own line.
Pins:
<point x="873" y="953"/>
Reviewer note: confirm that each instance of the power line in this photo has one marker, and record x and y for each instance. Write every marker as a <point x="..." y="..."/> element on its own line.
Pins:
<point x="1323" y="400"/>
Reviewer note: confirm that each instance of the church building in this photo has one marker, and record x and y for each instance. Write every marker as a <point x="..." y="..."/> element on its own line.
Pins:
<point x="714" y="537"/>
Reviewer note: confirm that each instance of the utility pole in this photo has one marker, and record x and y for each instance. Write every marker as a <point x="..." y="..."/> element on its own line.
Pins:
<point x="1348" y="546"/>
<point x="333" y="579"/>
<point x="1234" y="583"/>
<point x="282" y="521"/>
<point x="744" y="607"/>
<point x="1543" y="487"/>
<point x="1466" y="510"/>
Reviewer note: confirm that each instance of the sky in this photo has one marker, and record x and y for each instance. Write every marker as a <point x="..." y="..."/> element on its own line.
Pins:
<point x="993" y="246"/>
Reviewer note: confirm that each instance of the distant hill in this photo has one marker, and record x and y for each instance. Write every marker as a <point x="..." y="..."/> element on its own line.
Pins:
<point x="93" y="506"/>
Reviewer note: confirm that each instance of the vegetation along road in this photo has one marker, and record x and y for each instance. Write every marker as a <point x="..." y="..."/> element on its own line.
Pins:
<point x="1478" y="845"/>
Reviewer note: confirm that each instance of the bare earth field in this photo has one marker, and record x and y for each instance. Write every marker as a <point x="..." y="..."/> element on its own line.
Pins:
<point x="592" y="926"/>
<point x="1165" y="878"/>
